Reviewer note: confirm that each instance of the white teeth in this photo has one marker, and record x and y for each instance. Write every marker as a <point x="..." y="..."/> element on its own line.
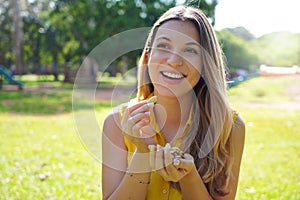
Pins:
<point x="173" y="75"/>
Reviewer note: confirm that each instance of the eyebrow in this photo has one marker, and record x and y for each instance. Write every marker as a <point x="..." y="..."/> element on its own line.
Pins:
<point x="194" y="43"/>
<point x="189" y="43"/>
<point x="164" y="38"/>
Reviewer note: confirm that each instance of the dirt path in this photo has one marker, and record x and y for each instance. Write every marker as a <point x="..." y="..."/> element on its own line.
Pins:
<point x="123" y="93"/>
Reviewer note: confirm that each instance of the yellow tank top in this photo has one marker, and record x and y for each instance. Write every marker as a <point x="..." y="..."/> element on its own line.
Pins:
<point x="159" y="189"/>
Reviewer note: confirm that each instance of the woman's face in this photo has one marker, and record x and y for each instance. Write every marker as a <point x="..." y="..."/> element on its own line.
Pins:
<point x="175" y="60"/>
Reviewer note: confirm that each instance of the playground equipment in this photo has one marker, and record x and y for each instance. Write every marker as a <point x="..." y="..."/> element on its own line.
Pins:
<point x="6" y="74"/>
<point x="239" y="79"/>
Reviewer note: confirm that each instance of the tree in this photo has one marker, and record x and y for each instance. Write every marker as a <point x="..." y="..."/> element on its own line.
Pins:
<point x="18" y="36"/>
<point x="207" y="6"/>
<point x="237" y="52"/>
<point x="60" y="31"/>
<point x="6" y="32"/>
<point x="277" y="49"/>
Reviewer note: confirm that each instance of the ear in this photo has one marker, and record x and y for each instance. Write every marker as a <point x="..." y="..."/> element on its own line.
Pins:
<point x="147" y="55"/>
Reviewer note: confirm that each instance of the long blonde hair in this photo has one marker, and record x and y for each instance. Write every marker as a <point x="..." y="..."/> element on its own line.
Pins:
<point x="208" y="141"/>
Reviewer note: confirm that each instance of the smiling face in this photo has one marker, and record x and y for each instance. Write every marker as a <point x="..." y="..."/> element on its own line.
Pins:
<point x="175" y="60"/>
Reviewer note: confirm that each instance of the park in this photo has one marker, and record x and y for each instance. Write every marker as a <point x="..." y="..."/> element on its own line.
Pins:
<point x="43" y="157"/>
<point x="42" y="152"/>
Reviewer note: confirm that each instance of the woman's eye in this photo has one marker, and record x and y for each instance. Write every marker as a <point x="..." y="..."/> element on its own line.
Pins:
<point x="191" y="50"/>
<point x="162" y="46"/>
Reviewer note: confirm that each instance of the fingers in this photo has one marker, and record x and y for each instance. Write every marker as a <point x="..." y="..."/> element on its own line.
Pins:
<point x="144" y="107"/>
<point x="136" y="117"/>
<point x="152" y="155"/>
<point x="163" y="157"/>
<point x="169" y="162"/>
<point x="167" y="155"/>
<point x="159" y="158"/>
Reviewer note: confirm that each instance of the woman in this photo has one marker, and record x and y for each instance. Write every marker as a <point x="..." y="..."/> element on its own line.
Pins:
<point x="181" y="66"/>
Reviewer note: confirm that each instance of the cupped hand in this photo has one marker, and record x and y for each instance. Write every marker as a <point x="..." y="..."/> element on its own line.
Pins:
<point x="162" y="161"/>
<point x="136" y="125"/>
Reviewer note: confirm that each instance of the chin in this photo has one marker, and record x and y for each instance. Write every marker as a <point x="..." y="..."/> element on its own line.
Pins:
<point x="172" y="93"/>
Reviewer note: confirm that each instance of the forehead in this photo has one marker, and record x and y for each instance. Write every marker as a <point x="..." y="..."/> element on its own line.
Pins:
<point x="179" y="30"/>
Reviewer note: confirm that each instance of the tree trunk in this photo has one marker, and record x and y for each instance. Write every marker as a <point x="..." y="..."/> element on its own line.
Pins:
<point x="18" y="36"/>
<point x="124" y="67"/>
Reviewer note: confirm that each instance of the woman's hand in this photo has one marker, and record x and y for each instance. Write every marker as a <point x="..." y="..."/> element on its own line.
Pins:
<point x="169" y="167"/>
<point x="136" y="125"/>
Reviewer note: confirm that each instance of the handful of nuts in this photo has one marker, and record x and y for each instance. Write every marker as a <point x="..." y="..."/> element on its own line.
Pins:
<point x="176" y="153"/>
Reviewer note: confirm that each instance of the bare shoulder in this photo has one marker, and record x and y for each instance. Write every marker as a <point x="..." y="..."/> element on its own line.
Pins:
<point x="238" y="134"/>
<point x="112" y="129"/>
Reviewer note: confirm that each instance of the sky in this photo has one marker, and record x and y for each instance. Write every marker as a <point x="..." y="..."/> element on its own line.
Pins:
<point x="259" y="16"/>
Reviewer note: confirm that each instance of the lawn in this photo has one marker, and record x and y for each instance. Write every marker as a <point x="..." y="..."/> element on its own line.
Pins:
<point x="42" y="156"/>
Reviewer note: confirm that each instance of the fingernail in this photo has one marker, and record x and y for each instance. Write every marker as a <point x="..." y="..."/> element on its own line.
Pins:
<point x="168" y="146"/>
<point x="147" y="113"/>
<point x="153" y="99"/>
<point x="151" y="147"/>
<point x="150" y="104"/>
<point x="158" y="147"/>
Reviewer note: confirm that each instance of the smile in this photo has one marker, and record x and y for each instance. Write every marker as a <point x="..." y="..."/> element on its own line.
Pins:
<point x="172" y="75"/>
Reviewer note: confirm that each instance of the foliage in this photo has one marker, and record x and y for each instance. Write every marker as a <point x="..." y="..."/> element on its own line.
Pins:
<point x="237" y="52"/>
<point x="6" y="41"/>
<point x="241" y="32"/>
<point x="208" y="7"/>
<point x="61" y="31"/>
<point x="278" y="49"/>
<point x="243" y="51"/>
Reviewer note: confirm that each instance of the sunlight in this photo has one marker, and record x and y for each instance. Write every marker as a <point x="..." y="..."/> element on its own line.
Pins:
<point x="258" y="16"/>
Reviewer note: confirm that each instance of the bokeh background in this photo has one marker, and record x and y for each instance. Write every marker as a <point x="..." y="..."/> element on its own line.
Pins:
<point x="43" y="44"/>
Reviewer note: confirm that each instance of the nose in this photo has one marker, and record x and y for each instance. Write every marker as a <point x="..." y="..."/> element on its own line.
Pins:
<point x="175" y="60"/>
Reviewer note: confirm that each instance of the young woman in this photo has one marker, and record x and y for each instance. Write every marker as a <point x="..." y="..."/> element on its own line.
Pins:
<point x="179" y="139"/>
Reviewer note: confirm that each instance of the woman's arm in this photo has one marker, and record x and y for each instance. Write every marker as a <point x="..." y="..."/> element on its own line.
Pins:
<point x="192" y="185"/>
<point x="116" y="183"/>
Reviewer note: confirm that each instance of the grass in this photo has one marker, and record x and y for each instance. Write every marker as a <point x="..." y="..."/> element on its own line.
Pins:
<point x="267" y="90"/>
<point x="42" y="156"/>
<point x="46" y="96"/>
<point x="271" y="159"/>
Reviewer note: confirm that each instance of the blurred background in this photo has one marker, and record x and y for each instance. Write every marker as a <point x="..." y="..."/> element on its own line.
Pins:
<point x="44" y="42"/>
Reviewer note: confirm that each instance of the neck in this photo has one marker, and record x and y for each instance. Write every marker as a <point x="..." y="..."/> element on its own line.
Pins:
<point x="173" y="113"/>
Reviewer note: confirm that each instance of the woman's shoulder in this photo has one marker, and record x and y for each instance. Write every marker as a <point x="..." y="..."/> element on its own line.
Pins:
<point x="112" y="128"/>
<point x="115" y="115"/>
<point x="238" y="132"/>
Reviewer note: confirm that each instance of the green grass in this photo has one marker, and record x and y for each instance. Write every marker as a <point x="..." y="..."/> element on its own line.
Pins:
<point x="267" y="90"/>
<point x="42" y="96"/>
<point x="42" y="156"/>
<point x="271" y="160"/>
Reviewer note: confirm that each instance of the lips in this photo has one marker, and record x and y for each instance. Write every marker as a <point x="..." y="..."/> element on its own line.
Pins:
<point x="173" y="75"/>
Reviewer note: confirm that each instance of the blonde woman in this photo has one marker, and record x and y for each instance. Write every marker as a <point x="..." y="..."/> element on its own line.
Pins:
<point x="179" y="139"/>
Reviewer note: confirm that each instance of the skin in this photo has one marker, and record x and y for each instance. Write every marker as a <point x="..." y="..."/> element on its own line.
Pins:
<point x="174" y="53"/>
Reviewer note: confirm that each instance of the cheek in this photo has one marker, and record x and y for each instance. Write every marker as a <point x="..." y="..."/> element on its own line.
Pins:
<point x="195" y="79"/>
<point x="158" y="56"/>
<point x="153" y="63"/>
<point x="195" y="63"/>
<point x="152" y="72"/>
<point x="195" y="76"/>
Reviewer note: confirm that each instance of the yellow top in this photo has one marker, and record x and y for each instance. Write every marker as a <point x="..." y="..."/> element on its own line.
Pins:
<point x="158" y="187"/>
